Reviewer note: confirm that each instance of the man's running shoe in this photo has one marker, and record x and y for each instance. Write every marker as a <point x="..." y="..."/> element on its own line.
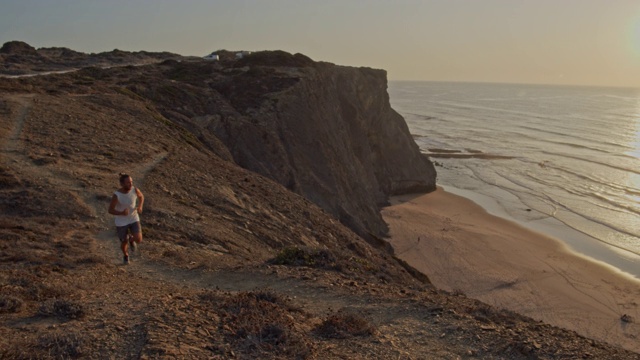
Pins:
<point x="126" y="260"/>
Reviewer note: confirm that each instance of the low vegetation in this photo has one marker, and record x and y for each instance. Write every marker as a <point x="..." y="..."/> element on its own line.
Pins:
<point x="301" y="256"/>
<point x="342" y="325"/>
<point x="262" y="324"/>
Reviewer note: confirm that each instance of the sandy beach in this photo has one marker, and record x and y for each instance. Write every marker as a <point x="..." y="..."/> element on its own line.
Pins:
<point x="463" y="248"/>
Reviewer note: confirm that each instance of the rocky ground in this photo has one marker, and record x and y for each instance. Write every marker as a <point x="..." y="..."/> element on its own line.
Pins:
<point x="233" y="265"/>
<point x="18" y="58"/>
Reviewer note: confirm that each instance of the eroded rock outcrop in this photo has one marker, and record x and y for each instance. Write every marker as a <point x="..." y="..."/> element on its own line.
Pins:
<point x="342" y="146"/>
<point x="324" y="131"/>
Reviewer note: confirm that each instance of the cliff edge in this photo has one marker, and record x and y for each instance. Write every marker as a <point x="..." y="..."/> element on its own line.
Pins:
<point x="324" y="131"/>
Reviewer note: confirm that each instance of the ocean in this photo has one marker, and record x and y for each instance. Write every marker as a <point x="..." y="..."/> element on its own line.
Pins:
<point x="561" y="160"/>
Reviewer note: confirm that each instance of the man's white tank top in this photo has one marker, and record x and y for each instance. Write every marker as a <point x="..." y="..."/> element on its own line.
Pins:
<point x="127" y="200"/>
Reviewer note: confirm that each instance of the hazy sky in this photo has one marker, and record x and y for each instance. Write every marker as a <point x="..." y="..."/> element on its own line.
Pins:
<point x="587" y="42"/>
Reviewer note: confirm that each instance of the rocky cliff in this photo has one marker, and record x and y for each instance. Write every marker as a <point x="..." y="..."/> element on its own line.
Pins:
<point x="342" y="146"/>
<point x="324" y="131"/>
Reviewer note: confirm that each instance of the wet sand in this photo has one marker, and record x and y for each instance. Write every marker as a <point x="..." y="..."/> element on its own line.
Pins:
<point x="463" y="248"/>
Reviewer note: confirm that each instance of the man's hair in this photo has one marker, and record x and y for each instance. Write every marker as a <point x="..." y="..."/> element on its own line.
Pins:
<point x="123" y="177"/>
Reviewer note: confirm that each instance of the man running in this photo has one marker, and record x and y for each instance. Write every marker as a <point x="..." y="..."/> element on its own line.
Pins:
<point x="123" y="206"/>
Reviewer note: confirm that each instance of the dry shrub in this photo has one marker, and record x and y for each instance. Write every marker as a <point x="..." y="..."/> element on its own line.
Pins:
<point x="55" y="345"/>
<point x="10" y="304"/>
<point x="61" y="346"/>
<point x="260" y="325"/>
<point x="62" y="309"/>
<point x="342" y="325"/>
<point x="489" y="314"/>
<point x="296" y="256"/>
<point x="91" y="260"/>
<point x="40" y="292"/>
<point x="174" y="255"/>
<point x="210" y="296"/>
<point x="323" y="259"/>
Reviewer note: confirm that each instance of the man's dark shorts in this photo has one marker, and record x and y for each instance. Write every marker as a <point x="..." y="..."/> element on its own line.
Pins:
<point x="124" y="230"/>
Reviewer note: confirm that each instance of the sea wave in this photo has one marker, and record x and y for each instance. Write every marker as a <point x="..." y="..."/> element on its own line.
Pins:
<point x="591" y="160"/>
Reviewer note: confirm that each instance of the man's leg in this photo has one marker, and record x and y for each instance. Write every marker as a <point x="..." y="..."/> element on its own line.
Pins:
<point x="124" y="246"/>
<point x="136" y="232"/>
<point x="132" y="244"/>
<point x="122" y="235"/>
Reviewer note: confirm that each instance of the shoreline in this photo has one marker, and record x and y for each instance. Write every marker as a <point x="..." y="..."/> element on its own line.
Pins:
<point x="462" y="247"/>
<point x="621" y="260"/>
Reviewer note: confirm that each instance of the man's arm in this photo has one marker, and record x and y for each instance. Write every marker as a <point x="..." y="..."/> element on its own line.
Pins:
<point x="140" y="200"/>
<point x="112" y="207"/>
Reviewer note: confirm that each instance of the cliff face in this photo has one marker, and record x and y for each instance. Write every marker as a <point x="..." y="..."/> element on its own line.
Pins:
<point x="324" y="131"/>
<point x="344" y="148"/>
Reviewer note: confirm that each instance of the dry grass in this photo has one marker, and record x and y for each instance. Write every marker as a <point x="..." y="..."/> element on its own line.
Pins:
<point x="262" y="325"/>
<point x="300" y="256"/>
<point x="343" y="325"/>
<point x="62" y="309"/>
<point x="55" y="345"/>
<point x="61" y="346"/>
<point x="10" y="304"/>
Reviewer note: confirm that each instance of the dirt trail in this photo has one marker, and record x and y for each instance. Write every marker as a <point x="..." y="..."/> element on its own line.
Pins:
<point x="12" y="143"/>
